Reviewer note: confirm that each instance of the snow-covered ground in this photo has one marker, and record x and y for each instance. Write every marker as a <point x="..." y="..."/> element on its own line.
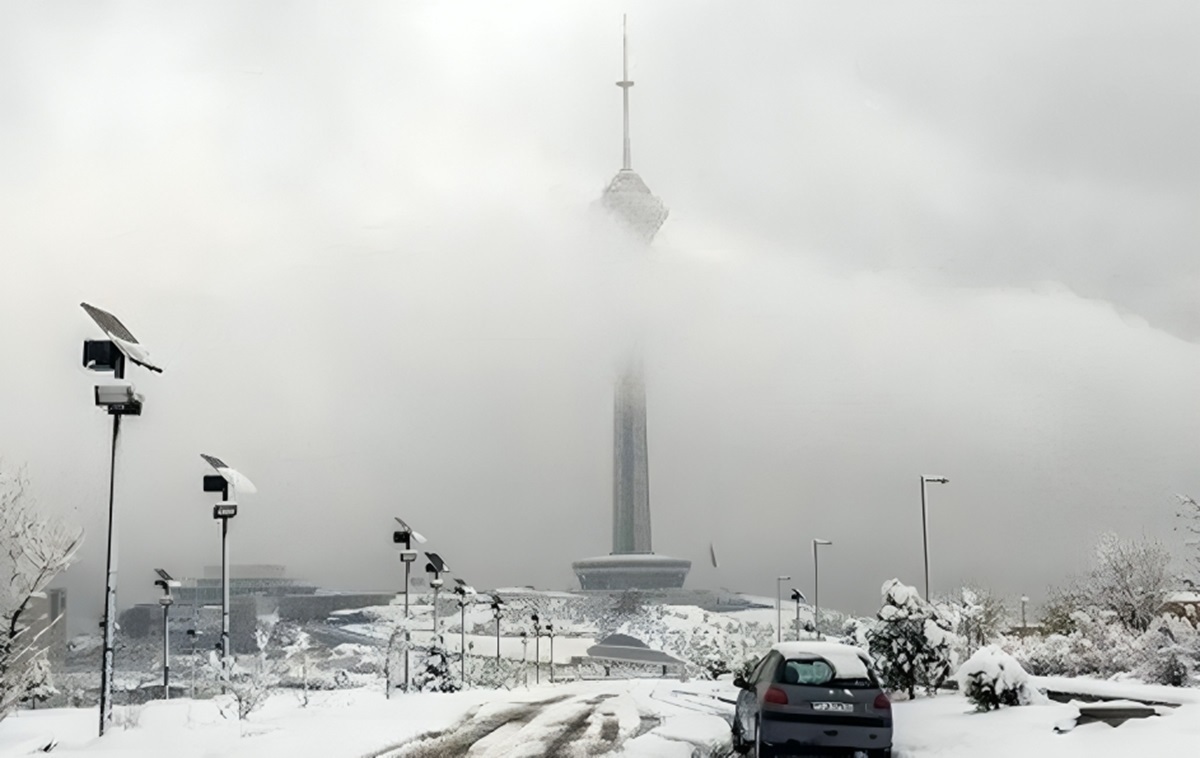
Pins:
<point x="618" y="718"/>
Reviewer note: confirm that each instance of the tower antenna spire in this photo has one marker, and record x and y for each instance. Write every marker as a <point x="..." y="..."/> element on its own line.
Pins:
<point x="625" y="84"/>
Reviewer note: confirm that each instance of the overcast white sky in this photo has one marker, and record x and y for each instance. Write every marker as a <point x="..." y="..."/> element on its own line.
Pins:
<point x="905" y="238"/>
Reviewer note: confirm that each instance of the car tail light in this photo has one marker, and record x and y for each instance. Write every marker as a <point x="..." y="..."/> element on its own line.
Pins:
<point x="882" y="703"/>
<point x="776" y="696"/>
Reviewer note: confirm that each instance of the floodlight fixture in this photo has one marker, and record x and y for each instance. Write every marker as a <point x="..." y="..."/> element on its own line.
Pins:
<point x="937" y="479"/>
<point x="118" y="399"/>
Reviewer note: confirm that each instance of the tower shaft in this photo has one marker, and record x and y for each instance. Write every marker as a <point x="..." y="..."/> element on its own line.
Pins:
<point x="631" y="467"/>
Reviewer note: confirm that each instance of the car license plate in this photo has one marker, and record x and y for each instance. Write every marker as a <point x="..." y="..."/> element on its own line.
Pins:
<point x="842" y="707"/>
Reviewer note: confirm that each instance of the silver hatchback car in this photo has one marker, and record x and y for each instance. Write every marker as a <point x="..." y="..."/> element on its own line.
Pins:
<point x="812" y="698"/>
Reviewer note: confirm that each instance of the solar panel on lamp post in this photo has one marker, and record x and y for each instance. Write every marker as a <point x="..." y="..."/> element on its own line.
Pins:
<point x="118" y="399"/>
<point x="166" y="583"/>
<point x="925" y="526"/>
<point x="227" y="481"/>
<point x="402" y="539"/>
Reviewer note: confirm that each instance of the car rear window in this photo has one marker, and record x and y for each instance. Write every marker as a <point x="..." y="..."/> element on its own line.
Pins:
<point x="817" y="672"/>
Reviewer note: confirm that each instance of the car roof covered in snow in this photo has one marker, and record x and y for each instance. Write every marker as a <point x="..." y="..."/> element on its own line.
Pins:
<point x="848" y="662"/>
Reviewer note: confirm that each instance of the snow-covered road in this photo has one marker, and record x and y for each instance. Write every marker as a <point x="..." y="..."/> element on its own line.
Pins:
<point x="584" y="719"/>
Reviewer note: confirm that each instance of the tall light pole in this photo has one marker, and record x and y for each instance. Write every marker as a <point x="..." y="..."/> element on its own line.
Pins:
<point x="436" y="566"/>
<point x="925" y="525"/>
<point x="817" y="586"/>
<point x="166" y="583"/>
<point x="1024" y="628"/>
<point x="227" y="481"/>
<point x="537" y="651"/>
<point x="464" y="591"/>
<point x="779" y="580"/>
<point x="118" y="399"/>
<point x="402" y="539"/>
<point x="550" y="632"/>
<point x="525" y="655"/>
<point x="798" y="596"/>
<point x="497" y="610"/>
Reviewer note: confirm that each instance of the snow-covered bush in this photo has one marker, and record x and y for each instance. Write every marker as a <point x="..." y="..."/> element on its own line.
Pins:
<point x="911" y="642"/>
<point x="436" y="674"/>
<point x="991" y="678"/>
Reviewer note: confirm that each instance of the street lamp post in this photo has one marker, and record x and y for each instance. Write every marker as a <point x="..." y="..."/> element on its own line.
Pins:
<point x="817" y="586"/>
<point x="925" y="525"/>
<point x="193" y="633"/>
<point x="226" y="481"/>
<point x="525" y="655"/>
<point x="166" y="583"/>
<point x="779" y="580"/>
<point x="118" y="399"/>
<point x="402" y="539"/>
<point x="464" y="591"/>
<point x="497" y="609"/>
<point x="1024" y="628"/>
<point x="537" y="651"/>
<point x="550" y="633"/>
<point x="437" y="567"/>
<point x="798" y="596"/>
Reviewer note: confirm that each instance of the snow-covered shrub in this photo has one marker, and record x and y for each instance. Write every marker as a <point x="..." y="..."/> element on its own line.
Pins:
<point x="436" y="674"/>
<point x="911" y="641"/>
<point x="1097" y="645"/>
<point x="1169" y="652"/>
<point x="991" y="678"/>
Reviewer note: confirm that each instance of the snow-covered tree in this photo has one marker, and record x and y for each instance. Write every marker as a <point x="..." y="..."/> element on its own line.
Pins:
<point x="911" y="642"/>
<point x="977" y="616"/>
<point x="33" y="550"/>
<point x="436" y="674"/>
<point x="991" y="678"/>
<point x="1129" y="578"/>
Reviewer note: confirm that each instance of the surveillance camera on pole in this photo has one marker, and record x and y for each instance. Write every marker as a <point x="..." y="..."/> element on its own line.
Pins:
<point x="402" y="539"/>
<point x="118" y="398"/>
<point x="227" y="481"/>
<point x="166" y="583"/>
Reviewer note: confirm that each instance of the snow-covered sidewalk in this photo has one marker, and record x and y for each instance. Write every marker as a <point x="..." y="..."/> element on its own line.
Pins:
<point x="947" y="727"/>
